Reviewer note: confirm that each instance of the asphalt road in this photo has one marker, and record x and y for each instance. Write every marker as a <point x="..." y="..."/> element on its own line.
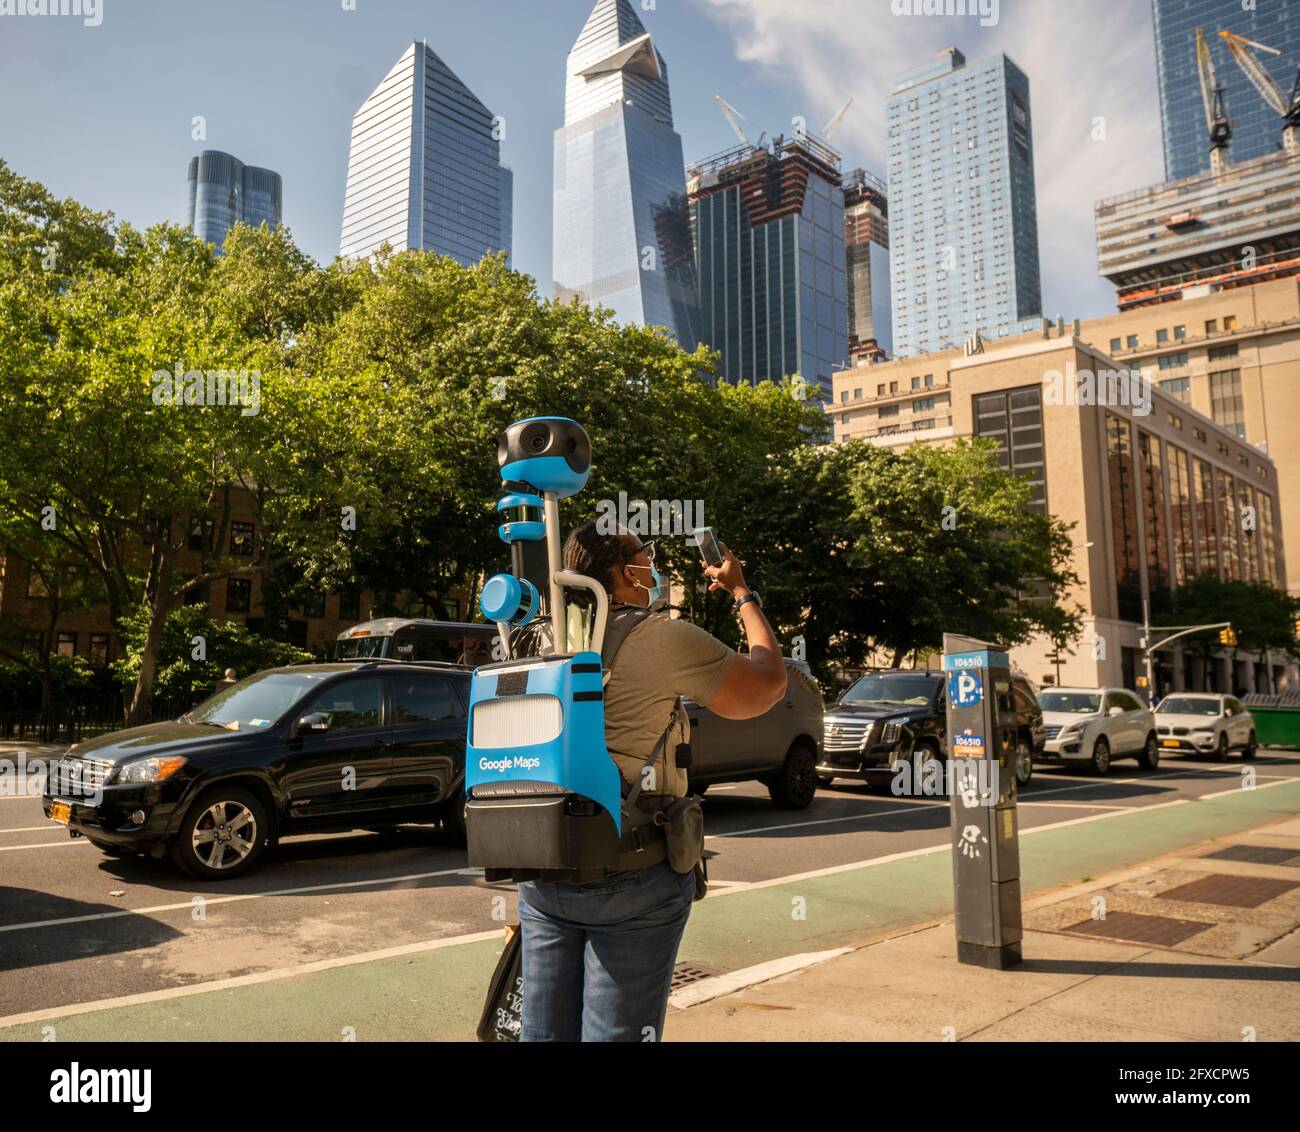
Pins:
<point x="78" y="927"/>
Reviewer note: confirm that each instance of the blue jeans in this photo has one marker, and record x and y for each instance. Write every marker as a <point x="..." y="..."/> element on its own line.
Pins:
<point x="598" y="958"/>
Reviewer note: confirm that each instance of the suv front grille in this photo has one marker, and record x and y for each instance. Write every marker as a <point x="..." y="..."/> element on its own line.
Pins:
<point x="73" y="775"/>
<point x="1052" y="730"/>
<point x="846" y="735"/>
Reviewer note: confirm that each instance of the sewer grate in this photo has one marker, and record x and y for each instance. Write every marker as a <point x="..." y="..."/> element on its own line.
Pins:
<point x="686" y="973"/>
<point x="1257" y="855"/>
<point x="1230" y="891"/>
<point x="1164" y="931"/>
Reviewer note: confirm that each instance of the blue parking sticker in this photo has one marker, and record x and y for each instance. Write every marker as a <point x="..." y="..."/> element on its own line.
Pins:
<point x="966" y="689"/>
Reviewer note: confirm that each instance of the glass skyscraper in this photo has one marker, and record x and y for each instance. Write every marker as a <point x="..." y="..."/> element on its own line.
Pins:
<point x="424" y="167"/>
<point x="224" y="191"/>
<point x="963" y="239"/>
<point x="621" y="227"/>
<point x="1256" y="126"/>
<point x="769" y="239"/>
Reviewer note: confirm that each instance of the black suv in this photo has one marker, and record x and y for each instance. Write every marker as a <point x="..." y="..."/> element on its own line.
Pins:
<point x="308" y="748"/>
<point x="887" y="716"/>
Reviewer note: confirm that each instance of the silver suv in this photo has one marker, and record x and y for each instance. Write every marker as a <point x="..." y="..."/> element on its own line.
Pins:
<point x="1092" y="726"/>
<point x="780" y="748"/>
<point x="1205" y="724"/>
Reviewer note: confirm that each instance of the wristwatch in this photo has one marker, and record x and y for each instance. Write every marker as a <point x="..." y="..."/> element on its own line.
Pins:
<point x="751" y="596"/>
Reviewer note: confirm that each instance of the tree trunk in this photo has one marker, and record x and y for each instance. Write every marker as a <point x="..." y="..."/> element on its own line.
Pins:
<point x="138" y="709"/>
<point x="899" y="653"/>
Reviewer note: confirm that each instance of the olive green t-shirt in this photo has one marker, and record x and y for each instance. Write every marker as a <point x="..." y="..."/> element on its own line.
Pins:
<point x="659" y="660"/>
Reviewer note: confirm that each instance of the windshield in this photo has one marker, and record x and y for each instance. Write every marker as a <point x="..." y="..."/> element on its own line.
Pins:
<point x="359" y="648"/>
<point x="892" y="688"/>
<point x="257" y="702"/>
<point x="1075" y="703"/>
<point x="1188" y="705"/>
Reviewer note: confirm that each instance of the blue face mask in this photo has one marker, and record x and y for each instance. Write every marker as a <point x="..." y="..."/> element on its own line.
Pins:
<point x="655" y="592"/>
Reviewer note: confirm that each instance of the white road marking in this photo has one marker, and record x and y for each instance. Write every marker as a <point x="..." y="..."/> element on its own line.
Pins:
<point x="695" y="993"/>
<point x="51" y="827"/>
<point x="45" y="845"/>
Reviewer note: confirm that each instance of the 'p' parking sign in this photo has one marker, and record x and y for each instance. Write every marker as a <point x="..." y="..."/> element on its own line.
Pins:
<point x="966" y="688"/>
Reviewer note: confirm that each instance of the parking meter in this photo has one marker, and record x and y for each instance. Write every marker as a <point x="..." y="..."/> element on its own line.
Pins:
<point x="985" y="835"/>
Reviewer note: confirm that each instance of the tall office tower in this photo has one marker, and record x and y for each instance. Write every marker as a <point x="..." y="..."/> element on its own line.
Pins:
<point x="866" y="243"/>
<point x="963" y="247"/>
<point x="621" y="228"/>
<point x="224" y="191"/>
<point x="1256" y="126"/>
<point x="769" y="239"/>
<point x="424" y="167"/>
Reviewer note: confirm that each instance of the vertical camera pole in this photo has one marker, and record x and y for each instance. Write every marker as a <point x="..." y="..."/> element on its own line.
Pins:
<point x="559" y="615"/>
<point x="985" y="840"/>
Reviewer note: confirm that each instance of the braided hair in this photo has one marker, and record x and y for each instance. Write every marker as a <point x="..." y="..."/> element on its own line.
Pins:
<point x="597" y="555"/>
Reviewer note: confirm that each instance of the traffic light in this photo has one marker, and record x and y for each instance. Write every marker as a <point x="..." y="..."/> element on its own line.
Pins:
<point x="1229" y="637"/>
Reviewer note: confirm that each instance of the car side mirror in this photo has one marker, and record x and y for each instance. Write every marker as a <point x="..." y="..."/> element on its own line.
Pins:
<point x="1115" y="711"/>
<point x="312" y="721"/>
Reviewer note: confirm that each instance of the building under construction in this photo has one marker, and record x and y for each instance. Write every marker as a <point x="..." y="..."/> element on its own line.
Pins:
<point x="1189" y="238"/>
<point x="866" y="243"/>
<point x="768" y="227"/>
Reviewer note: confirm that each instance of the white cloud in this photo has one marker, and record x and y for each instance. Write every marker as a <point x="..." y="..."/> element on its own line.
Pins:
<point x="1086" y="60"/>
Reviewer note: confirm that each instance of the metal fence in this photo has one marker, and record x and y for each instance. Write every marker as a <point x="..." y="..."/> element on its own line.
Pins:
<point x="82" y="716"/>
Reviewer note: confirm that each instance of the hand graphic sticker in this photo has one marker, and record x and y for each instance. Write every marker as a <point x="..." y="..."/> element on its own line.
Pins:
<point x="970" y="841"/>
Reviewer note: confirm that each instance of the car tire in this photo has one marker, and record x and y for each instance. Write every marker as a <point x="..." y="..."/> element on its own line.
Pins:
<point x="1149" y="758"/>
<point x="1024" y="760"/>
<point x="453" y="818"/>
<point x="1101" y="755"/>
<point x="923" y="754"/>
<point x="1221" y="749"/>
<point x="238" y="807"/>
<point x="794" y="786"/>
<point x="1251" y="747"/>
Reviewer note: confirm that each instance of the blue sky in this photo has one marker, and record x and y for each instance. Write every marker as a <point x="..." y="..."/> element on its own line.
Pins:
<point x="104" y="113"/>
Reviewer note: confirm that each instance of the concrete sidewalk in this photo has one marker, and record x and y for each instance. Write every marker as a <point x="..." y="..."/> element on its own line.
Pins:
<point x="1235" y="976"/>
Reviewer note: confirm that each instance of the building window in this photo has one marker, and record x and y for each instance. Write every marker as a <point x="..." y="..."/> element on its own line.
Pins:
<point x="1206" y="525"/>
<point x="922" y="425"/>
<point x="1162" y="336"/>
<point x="1176" y="421"/>
<point x="844" y="396"/>
<point x="893" y="387"/>
<point x="1179" y="387"/>
<point x="1132" y="341"/>
<point x="65" y="644"/>
<point x="1268" y="538"/>
<point x="98" y="654"/>
<point x="1249" y="532"/>
<point x="880" y="390"/>
<point x="916" y="383"/>
<point x="1228" y="525"/>
<point x="36" y="584"/>
<point x="887" y="411"/>
<point x="1180" y="515"/>
<point x="241" y="539"/>
<point x="200" y="536"/>
<point x="923" y="405"/>
<point x="1114" y="345"/>
<point x="1015" y="420"/>
<point x="1199" y="433"/>
<point x="929" y="380"/>
<point x="1229" y="322"/>
<point x="1211" y="326"/>
<point x="350" y="605"/>
<point x="239" y="595"/>
<point x="857" y="394"/>
<point x="1124" y="519"/>
<point x="1156" y="531"/>
<point x="1219" y="353"/>
<point x="314" y="605"/>
<point x="1226" y="404"/>
<point x="1180" y="332"/>
<point x="1173" y="361"/>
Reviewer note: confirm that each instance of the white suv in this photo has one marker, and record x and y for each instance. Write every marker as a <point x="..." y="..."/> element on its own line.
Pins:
<point x="1092" y="726"/>
<point x="1205" y="724"/>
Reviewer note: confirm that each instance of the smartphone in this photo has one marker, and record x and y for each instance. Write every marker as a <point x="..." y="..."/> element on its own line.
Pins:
<point x="710" y="548"/>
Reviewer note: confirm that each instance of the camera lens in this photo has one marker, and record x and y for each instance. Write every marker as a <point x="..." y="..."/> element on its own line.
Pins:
<point x="535" y="438"/>
<point x="537" y="443"/>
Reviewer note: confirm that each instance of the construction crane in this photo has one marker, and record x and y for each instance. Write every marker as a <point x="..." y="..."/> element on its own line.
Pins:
<point x="1263" y="82"/>
<point x="1216" y="116"/>
<point x="830" y="126"/>
<point x="735" y="117"/>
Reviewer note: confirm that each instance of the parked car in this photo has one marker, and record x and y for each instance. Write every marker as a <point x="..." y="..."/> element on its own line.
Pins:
<point x="302" y="749"/>
<point x="779" y="748"/>
<point x="1094" y="726"/>
<point x="900" y="713"/>
<point x="1205" y="724"/>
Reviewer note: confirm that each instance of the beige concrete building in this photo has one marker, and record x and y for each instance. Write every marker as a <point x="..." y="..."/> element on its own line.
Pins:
<point x="1158" y="492"/>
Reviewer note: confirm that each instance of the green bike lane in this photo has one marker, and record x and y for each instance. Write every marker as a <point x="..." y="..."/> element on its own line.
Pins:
<point x="434" y="991"/>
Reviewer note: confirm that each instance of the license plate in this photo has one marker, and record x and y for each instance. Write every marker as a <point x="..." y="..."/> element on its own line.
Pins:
<point x="1170" y="743"/>
<point x="61" y="812"/>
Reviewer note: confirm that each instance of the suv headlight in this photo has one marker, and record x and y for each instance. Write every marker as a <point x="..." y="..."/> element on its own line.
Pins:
<point x="149" y="770"/>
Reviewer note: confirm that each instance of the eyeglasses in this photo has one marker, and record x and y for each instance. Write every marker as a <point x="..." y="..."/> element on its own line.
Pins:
<point x="649" y="548"/>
